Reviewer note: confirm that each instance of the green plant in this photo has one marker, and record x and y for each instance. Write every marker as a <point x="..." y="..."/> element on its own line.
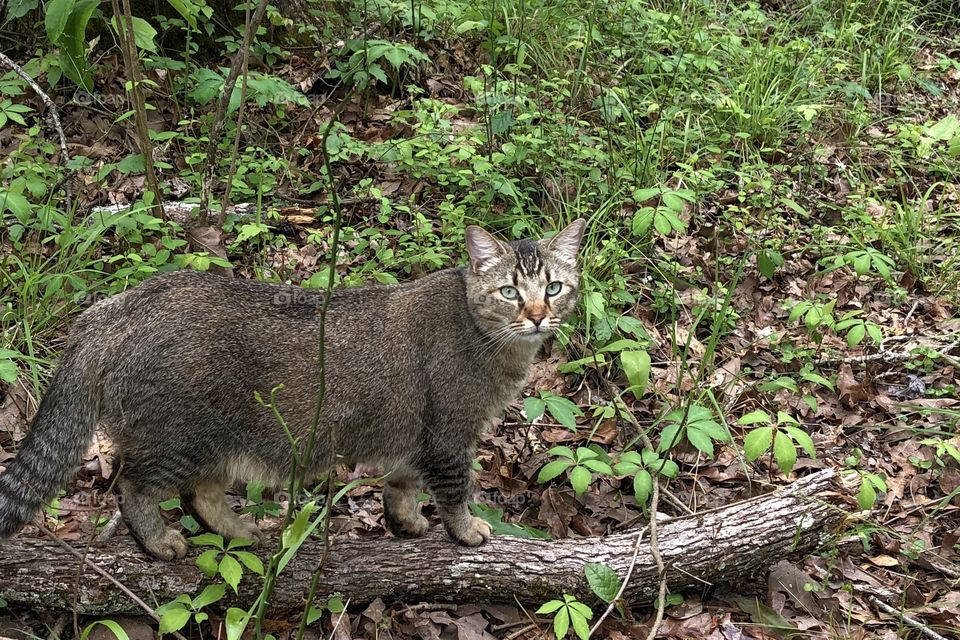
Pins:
<point x="643" y="465"/>
<point x="226" y="560"/>
<point x="561" y="409"/>
<point x="566" y="613"/>
<point x="581" y="463"/>
<point x="697" y="424"/>
<point x="784" y="437"/>
<point x="176" y="614"/>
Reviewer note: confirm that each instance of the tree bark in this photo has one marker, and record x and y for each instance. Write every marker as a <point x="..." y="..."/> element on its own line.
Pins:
<point x="729" y="545"/>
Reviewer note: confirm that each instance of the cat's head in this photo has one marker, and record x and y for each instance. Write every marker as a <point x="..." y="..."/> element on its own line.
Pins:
<point x="522" y="290"/>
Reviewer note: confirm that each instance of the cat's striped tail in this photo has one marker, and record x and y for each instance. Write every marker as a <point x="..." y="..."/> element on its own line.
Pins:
<point x="52" y="450"/>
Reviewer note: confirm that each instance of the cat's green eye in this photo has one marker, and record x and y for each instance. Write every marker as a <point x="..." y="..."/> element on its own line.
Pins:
<point x="508" y="292"/>
<point x="554" y="288"/>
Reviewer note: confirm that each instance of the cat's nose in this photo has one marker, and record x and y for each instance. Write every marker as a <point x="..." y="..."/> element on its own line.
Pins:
<point x="536" y="319"/>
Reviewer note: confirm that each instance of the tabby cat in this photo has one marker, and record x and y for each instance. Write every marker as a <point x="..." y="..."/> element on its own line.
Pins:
<point x="414" y="372"/>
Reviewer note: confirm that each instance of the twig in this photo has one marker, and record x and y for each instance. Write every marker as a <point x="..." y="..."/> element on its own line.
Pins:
<point x="907" y="620"/>
<point x="54" y="115"/>
<point x="216" y="128"/>
<point x="657" y="558"/>
<point x="119" y="585"/>
<point x="128" y="47"/>
<point x="521" y="631"/>
<point x="336" y="625"/>
<point x="110" y="528"/>
<point x="626" y="579"/>
<point x="241" y="110"/>
<point x="889" y="357"/>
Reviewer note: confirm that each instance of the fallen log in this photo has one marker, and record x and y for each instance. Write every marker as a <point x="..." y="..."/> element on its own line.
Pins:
<point x="729" y="545"/>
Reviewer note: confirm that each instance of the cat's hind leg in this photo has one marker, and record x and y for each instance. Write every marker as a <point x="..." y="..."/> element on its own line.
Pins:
<point x="139" y="506"/>
<point x="400" y="514"/>
<point x="208" y="500"/>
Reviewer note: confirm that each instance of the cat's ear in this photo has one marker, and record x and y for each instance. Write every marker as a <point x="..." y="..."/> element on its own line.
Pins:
<point x="484" y="250"/>
<point x="567" y="242"/>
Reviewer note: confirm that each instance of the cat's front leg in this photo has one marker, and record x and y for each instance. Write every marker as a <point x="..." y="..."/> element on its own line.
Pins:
<point x="449" y="478"/>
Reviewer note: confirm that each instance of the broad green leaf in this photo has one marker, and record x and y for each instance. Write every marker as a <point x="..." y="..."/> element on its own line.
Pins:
<point x="670" y="468"/>
<point x="208" y="540"/>
<point x="533" y="407"/>
<point x="580" y="479"/>
<point x="754" y="417"/>
<point x="250" y="561"/>
<point x="549" y="607"/>
<point x="207" y="562"/>
<point x="580" y="626"/>
<point x="636" y="366"/>
<point x="603" y="580"/>
<point x="561" y="623"/>
<point x="563" y="411"/>
<point x="867" y="495"/>
<point x="803" y="439"/>
<point x="231" y="571"/>
<point x="8" y="371"/>
<point x="700" y="440"/>
<point x="816" y="378"/>
<point x="861" y="264"/>
<point x="757" y="442"/>
<point x="856" y="335"/>
<point x="55" y="20"/>
<point x="642" y="486"/>
<point x="599" y="466"/>
<point x="669" y="437"/>
<point x="552" y="469"/>
<point x="210" y="594"/>
<point x="784" y="451"/>
<point x="174" y="619"/>
<point x="236" y="621"/>
<point x="561" y="450"/>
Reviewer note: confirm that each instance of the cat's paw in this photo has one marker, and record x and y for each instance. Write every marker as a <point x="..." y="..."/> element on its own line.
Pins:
<point x="475" y="533"/>
<point x="412" y="526"/>
<point x="168" y="546"/>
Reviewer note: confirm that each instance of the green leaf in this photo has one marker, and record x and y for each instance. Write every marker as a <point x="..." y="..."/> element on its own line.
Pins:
<point x="861" y="264"/>
<point x="208" y="540"/>
<point x="552" y="469"/>
<point x="642" y="486"/>
<point x="598" y="466"/>
<point x="236" y="621"/>
<point x="174" y="619"/>
<point x="55" y="20"/>
<point x="784" y="451"/>
<point x="207" y="562"/>
<point x="8" y="371"/>
<point x="867" y="495"/>
<point x="561" y="623"/>
<point x="803" y="439"/>
<point x="117" y="631"/>
<point x="580" y="479"/>
<point x="565" y="452"/>
<point x="231" y="571"/>
<point x="563" y="411"/>
<point x="210" y="594"/>
<point x="816" y="378"/>
<point x="549" y="607"/>
<point x="754" y="417"/>
<point x="669" y="437"/>
<point x="580" y="626"/>
<point x="603" y="580"/>
<point x="533" y="408"/>
<point x="856" y="335"/>
<point x="636" y="366"/>
<point x="700" y="440"/>
<point x="757" y="442"/>
<point x="250" y="561"/>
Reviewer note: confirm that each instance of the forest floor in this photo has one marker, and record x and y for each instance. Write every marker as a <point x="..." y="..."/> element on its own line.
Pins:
<point x="771" y="271"/>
